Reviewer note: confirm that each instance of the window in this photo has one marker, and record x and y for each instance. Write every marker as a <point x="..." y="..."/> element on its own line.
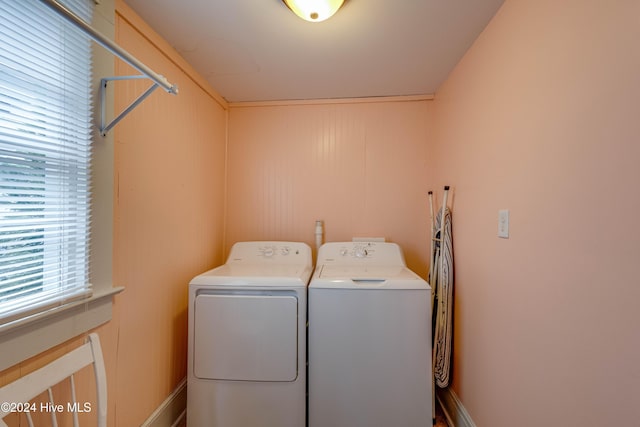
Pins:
<point x="46" y="157"/>
<point x="45" y="135"/>
<point x="51" y="290"/>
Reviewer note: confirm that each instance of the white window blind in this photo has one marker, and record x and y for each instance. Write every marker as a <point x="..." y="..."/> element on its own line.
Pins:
<point x="45" y="135"/>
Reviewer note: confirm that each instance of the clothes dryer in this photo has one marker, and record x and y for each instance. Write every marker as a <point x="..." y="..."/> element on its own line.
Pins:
<point x="247" y="338"/>
<point x="369" y="339"/>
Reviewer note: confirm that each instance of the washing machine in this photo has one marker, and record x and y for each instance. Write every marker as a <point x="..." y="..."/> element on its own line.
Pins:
<point x="369" y="339"/>
<point x="247" y="338"/>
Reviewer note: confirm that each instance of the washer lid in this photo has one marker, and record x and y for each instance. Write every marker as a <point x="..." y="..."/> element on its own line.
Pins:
<point x="367" y="277"/>
<point x="370" y="272"/>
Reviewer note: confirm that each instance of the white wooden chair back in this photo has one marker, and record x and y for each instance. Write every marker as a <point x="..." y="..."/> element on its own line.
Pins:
<point x="32" y="385"/>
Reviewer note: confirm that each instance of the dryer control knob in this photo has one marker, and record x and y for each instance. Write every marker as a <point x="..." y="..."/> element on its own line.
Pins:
<point x="284" y="250"/>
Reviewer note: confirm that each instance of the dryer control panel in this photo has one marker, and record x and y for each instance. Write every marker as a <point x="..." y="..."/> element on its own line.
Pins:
<point x="270" y="252"/>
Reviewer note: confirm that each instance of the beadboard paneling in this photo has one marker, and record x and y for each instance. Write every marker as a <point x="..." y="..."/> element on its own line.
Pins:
<point x="360" y="167"/>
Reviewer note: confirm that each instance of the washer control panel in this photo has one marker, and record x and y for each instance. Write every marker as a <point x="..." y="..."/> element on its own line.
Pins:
<point x="359" y="252"/>
<point x="270" y="252"/>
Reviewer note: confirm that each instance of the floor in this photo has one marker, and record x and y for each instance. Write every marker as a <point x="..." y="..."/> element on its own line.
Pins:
<point x="441" y="421"/>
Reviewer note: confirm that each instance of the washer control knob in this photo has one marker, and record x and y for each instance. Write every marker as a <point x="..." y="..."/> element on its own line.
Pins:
<point x="344" y="252"/>
<point x="360" y="252"/>
<point x="268" y="252"/>
<point x="284" y="250"/>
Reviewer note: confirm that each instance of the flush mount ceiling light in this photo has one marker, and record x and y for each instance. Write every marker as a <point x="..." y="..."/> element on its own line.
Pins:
<point x="314" y="10"/>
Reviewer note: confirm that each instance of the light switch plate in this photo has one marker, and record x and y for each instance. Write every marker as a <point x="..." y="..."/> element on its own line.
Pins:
<point x="503" y="223"/>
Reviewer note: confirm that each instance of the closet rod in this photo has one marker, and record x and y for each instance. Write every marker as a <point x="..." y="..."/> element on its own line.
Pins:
<point x="111" y="46"/>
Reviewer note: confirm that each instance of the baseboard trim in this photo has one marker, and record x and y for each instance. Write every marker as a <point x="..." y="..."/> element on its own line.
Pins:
<point x="457" y="415"/>
<point x="172" y="411"/>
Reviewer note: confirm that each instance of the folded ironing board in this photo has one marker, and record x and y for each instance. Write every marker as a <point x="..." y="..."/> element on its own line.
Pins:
<point x="441" y="281"/>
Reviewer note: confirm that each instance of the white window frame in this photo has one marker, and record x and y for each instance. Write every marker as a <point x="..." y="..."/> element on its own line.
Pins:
<point x="29" y="337"/>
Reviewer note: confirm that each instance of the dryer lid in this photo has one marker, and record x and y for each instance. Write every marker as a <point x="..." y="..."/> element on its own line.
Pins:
<point x="262" y="263"/>
<point x="254" y="274"/>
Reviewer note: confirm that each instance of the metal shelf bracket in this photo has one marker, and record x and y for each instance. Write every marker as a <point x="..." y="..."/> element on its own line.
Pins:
<point x="106" y="127"/>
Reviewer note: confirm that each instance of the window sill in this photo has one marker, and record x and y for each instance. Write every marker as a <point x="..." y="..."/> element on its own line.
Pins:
<point x="30" y="336"/>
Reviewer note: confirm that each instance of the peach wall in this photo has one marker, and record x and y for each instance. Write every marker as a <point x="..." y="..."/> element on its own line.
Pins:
<point x="541" y="117"/>
<point x="170" y="166"/>
<point x="359" y="166"/>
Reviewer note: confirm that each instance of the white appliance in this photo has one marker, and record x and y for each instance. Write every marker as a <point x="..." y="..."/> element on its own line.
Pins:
<point x="247" y="338"/>
<point x="369" y="339"/>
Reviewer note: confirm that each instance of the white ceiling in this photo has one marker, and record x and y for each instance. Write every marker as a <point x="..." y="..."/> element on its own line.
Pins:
<point x="257" y="50"/>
